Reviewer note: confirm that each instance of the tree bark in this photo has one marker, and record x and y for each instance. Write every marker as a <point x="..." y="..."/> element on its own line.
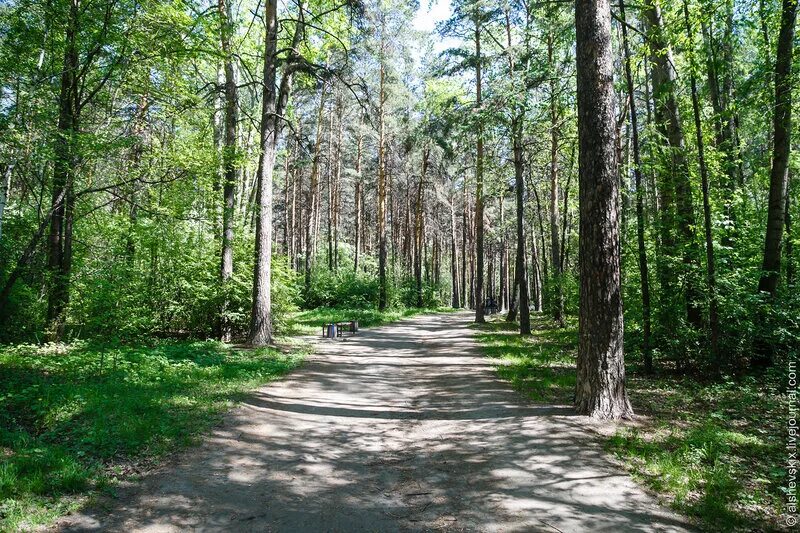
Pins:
<point x="520" y="272"/>
<point x="418" y="238"/>
<point x="479" y="312"/>
<point x="600" y="388"/>
<point x="60" y="239"/>
<point x="229" y="163"/>
<point x="555" y="242"/>
<point x="313" y="196"/>
<point x="358" y="193"/>
<point x="456" y="297"/>
<point x="272" y="108"/>
<point x="382" y="282"/>
<point x="782" y="127"/>
<point x="5" y="187"/>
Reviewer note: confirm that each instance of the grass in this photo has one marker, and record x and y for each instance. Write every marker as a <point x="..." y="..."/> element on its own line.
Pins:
<point x="714" y="450"/>
<point x="75" y="418"/>
<point x="541" y="365"/>
<point x="310" y="322"/>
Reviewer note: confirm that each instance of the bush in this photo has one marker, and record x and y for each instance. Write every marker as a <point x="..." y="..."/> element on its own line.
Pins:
<point x="341" y="289"/>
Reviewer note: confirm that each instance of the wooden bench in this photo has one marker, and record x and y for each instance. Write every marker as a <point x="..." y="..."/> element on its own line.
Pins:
<point x="336" y="329"/>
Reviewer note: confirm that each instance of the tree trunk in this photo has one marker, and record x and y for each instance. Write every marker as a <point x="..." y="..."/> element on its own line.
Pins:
<point x="478" y="182"/>
<point x="789" y="244"/>
<point x="5" y="187"/>
<point x="464" y="227"/>
<point x="782" y="126"/>
<point x="521" y="281"/>
<point x="59" y="241"/>
<point x="456" y="297"/>
<point x="555" y="242"/>
<point x="503" y="257"/>
<point x="272" y="108"/>
<point x="382" y="296"/>
<point x="713" y="313"/>
<point x="644" y="274"/>
<point x="677" y="207"/>
<point x="600" y="387"/>
<point x="358" y="200"/>
<point x="313" y="195"/>
<point x="229" y="163"/>
<point x="418" y="239"/>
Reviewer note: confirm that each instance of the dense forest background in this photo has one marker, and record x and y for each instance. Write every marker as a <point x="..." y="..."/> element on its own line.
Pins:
<point x="148" y="180"/>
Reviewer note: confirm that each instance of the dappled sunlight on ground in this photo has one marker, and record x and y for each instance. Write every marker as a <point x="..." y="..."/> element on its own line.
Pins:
<point x="401" y="428"/>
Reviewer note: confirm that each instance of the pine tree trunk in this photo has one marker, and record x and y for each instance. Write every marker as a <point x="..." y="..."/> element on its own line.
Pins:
<point x="478" y="183"/>
<point x="359" y="242"/>
<point x="521" y="281"/>
<point x="382" y="296"/>
<point x="555" y="242"/>
<point x="464" y="256"/>
<point x="600" y="388"/>
<point x="230" y="170"/>
<point x="313" y="196"/>
<point x="456" y="297"/>
<point x="272" y="107"/>
<point x="418" y="239"/>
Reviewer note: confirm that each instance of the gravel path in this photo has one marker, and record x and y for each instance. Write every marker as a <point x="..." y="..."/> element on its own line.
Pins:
<point x="400" y="428"/>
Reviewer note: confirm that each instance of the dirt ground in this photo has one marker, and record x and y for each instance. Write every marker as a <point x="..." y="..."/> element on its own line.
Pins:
<point x="399" y="428"/>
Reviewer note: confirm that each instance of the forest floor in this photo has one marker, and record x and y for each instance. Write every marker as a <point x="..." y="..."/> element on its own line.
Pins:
<point x="714" y="450"/>
<point x="404" y="427"/>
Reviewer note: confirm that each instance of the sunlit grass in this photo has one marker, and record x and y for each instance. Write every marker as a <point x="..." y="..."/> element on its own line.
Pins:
<point x="70" y="414"/>
<point x="540" y="365"/>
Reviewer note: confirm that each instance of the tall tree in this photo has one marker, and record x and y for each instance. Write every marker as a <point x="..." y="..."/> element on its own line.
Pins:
<point x="382" y="250"/>
<point x="229" y="159"/>
<point x="677" y="219"/>
<point x="479" y="311"/>
<point x="781" y="146"/>
<point x="711" y="275"/>
<point x="600" y="387"/>
<point x="644" y="274"/>
<point x="273" y="105"/>
<point x="555" y="241"/>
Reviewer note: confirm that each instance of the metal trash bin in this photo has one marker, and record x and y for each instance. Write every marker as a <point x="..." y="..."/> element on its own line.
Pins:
<point x="329" y="331"/>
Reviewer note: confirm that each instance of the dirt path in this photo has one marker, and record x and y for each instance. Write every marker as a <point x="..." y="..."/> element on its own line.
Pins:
<point x="401" y="428"/>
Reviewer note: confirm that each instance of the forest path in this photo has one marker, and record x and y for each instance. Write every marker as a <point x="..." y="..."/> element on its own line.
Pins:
<point x="400" y="428"/>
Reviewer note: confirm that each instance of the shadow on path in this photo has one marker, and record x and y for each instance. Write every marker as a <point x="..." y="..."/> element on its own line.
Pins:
<point x="400" y="428"/>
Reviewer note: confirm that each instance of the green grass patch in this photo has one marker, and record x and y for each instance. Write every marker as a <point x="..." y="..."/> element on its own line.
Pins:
<point x="74" y="418"/>
<point x="310" y="322"/>
<point x="715" y="450"/>
<point x="541" y="365"/>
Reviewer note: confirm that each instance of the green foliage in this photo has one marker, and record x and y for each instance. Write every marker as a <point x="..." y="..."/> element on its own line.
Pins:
<point x="70" y="414"/>
<point x="341" y="288"/>
<point x="432" y="294"/>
